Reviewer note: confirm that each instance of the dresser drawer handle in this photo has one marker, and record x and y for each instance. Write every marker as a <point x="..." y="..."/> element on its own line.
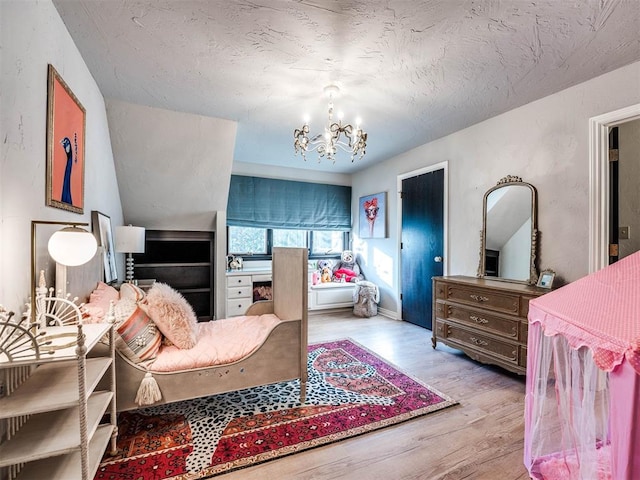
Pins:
<point x="479" y="298"/>
<point x="478" y="319"/>
<point x="477" y="341"/>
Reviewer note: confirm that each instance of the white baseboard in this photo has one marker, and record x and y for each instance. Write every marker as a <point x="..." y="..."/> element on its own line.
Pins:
<point x="388" y="313"/>
<point x="381" y="311"/>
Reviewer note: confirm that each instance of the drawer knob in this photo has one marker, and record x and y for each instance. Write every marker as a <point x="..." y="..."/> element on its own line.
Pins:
<point x="479" y="298"/>
<point x="477" y="341"/>
<point x="478" y="319"/>
<point x="239" y="292"/>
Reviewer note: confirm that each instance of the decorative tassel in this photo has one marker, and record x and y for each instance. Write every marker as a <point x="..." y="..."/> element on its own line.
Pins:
<point x="149" y="391"/>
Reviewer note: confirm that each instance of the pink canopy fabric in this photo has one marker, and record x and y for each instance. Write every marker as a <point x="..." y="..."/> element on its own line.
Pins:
<point x="582" y="407"/>
<point x="600" y="311"/>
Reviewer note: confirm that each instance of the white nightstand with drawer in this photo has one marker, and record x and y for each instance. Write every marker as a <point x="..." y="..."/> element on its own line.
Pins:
<point x="239" y="294"/>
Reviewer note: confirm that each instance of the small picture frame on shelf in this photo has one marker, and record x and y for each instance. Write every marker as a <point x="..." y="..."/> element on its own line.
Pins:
<point x="546" y="279"/>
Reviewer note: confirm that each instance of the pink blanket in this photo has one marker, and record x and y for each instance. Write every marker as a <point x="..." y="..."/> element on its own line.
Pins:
<point x="219" y="342"/>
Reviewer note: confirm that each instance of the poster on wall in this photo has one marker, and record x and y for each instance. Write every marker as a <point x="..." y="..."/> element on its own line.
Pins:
<point x="373" y="221"/>
<point x="65" y="146"/>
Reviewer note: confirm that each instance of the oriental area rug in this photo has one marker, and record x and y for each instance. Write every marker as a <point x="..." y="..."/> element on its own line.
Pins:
<point x="350" y="391"/>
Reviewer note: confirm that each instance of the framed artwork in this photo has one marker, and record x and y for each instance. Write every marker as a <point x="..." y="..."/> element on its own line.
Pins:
<point x="65" y="146"/>
<point x="373" y="221"/>
<point x="546" y="278"/>
<point x="101" y="227"/>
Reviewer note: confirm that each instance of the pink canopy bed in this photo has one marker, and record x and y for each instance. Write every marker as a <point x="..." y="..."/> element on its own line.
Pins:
<point x="582" y="405"/>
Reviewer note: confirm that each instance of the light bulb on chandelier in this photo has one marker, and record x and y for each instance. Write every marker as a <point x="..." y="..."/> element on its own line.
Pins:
<point x="347" y="138"/>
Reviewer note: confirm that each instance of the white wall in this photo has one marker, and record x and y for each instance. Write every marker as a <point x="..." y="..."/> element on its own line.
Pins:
<point x="32" y="36"/>
<point x="629" y="188"/>
<point x="544" y="142"/>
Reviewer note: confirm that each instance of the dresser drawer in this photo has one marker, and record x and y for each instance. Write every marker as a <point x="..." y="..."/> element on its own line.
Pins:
<point x="498" y="301"/>
<point x="239" y="281"/>
<point x="239" y="291"/>
<point x="481" y="319"/>
<point x="238" y="306"/>
<point x="505" y="350"/>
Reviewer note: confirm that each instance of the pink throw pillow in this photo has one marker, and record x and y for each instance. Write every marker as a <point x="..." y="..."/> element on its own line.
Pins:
<point x="129" y="290"/>
<point x="136" y="335"/>
<point x="99" y="301"/>
<point x="92" y="313"/>
<point x="172" y="314"/>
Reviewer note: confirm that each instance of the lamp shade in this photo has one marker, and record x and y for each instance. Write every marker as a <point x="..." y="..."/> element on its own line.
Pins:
<point x="129" y="239"/>
<point x="72" y="246"/>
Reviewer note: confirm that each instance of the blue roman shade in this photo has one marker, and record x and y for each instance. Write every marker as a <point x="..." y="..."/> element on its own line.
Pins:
<point x="270" y="203"/>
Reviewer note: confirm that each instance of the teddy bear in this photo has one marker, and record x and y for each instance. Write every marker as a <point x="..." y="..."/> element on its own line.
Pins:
<point x="347" y="268"/>
<point x="325" y="275"/>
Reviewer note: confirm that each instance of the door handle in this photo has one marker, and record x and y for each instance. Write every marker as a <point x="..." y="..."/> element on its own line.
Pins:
<point x="437" y="259"/>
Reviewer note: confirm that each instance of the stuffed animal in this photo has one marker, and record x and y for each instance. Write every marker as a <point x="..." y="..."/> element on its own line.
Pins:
<point x="326" y="275"/>
<point x="365" y="299"/>
<point x="347" y="268"/>
<point x="324" y="263"/>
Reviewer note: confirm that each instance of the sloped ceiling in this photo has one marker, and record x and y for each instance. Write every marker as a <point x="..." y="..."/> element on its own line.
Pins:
<point x="173" y="168"/>
<point x="413" y="71"/>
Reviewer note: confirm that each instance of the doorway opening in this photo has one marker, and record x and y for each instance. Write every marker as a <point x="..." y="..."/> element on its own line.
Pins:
<point x="599" y="182"/>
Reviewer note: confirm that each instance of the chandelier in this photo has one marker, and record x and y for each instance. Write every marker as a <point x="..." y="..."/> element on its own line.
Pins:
<point x="335" y="136"/>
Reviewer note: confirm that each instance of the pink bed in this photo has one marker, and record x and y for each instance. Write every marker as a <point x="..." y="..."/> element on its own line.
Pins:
<point x="219" y="342"/>
<point x="582" y="406"/>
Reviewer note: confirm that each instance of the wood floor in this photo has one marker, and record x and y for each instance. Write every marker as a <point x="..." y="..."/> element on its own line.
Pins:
<point x="479" y="439"/>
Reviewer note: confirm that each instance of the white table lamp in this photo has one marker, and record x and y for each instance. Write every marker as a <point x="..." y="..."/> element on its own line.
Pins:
<point x="72" y="246"/>
<point x="129" y="240"/>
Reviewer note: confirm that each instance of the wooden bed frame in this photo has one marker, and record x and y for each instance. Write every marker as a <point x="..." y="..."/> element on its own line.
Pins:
<point x="281" y="357"/>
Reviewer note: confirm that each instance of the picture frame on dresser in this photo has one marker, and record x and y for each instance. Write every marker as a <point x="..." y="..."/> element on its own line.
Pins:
<point x="546" y="279"/>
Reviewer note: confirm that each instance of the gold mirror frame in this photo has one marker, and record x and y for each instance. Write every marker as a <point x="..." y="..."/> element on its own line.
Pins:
<point x="533" y="271"/>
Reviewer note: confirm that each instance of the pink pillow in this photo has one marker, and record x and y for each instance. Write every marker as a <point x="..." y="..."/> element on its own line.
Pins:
<point x="92" y="314"/>
<point x="99" y="302"/>
<point x="172" y="314"/>
<point x="129" y="290"/>
<point x="137" y="336"/>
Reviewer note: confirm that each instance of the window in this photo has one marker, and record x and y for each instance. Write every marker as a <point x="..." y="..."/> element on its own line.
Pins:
<point x="258" y="242"/>
<point x="327" y="242"/>
<point x="289" y="238"/>
<point x="247" y="240"/>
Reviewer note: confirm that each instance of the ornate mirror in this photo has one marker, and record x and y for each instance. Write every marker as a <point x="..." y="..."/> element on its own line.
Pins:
<point x="509" y="230"/>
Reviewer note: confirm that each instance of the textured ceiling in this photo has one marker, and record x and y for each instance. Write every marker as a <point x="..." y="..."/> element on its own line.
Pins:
<point x="413" y="71"/>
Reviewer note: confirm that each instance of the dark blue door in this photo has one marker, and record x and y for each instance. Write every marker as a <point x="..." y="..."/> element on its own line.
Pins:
<point x="422" y="243"/>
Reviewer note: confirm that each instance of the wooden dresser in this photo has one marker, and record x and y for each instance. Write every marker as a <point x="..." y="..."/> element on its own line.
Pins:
<point x="486" y="319"/>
